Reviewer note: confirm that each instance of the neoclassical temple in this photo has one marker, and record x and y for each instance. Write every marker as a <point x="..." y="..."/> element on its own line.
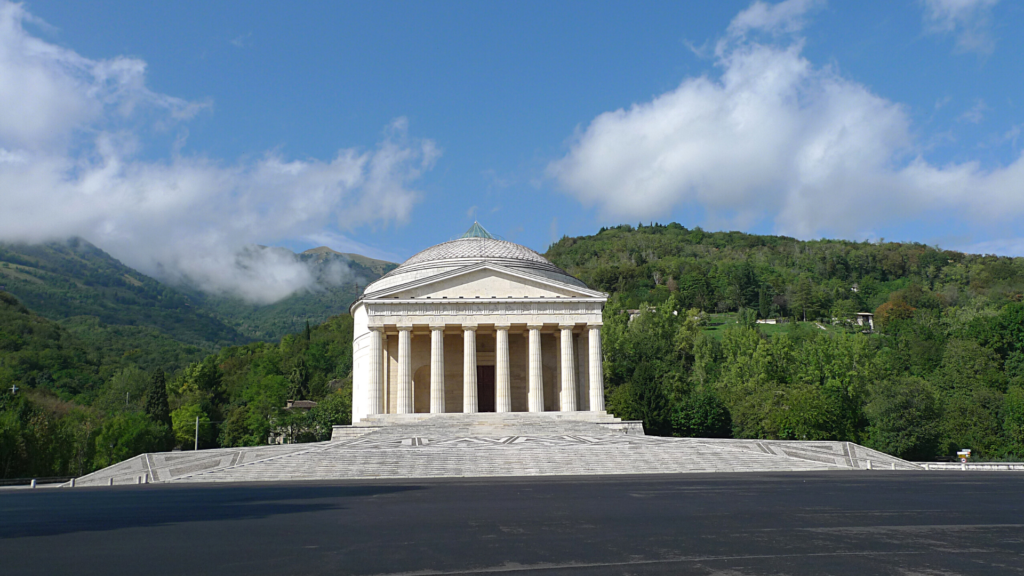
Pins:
<point x="477" y="324"/>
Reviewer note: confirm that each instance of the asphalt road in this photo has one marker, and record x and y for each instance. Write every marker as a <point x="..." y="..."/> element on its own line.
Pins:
<point x="736" y="524"/>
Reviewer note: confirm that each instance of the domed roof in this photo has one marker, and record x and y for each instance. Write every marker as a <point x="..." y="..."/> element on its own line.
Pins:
<point x="476" y="246"/>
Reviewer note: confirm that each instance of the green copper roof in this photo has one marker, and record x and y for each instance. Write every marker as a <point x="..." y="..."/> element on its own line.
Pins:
<point x="477" y="231"/>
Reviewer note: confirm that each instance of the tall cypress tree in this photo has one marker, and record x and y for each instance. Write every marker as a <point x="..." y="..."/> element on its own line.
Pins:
<point x="156" y="400"/>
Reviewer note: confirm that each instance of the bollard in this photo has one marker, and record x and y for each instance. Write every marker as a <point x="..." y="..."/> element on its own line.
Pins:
<point x="869" y="464"/>
<point x="927" y="466"/>
<point x="145" y="478"/>
<point x="72" y="482"/>
<point x="110" y="481"/>
<point x="33" y="484"/>
<point x="893" y="465"/>
<point x="963" y="466"/>
<point x="138" y="479"/>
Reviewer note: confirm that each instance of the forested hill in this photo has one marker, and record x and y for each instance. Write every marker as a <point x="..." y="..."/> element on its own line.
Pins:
<point x="943" y="369"/>
<point x="776" y="275"/>
<point x="90" y="292"/>
<point x="76" y="282"/>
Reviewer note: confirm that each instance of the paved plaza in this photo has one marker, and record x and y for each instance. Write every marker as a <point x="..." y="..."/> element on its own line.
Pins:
<point x="867" y="522"/>
<point x="492" y="445"/>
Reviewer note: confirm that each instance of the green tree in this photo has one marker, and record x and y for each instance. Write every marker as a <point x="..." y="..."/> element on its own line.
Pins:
<point x="803" y="298"/>
<point x="334" y="410"/>
<point x="1013" y="421"/>
<point x="127" y="435"/>
<point x="299" y="380"/>
<point x="701" y="414"/>
<point x="157" y="407"/>
<point x="125" y="392"/>
<point x="183" y="421"/>
<point x="904" y="419"/>
<point x="200" y="377"/>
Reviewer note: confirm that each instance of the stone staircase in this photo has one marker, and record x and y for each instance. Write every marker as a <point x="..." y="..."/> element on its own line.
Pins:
<point x="491" y="445"/>
<point x="489" y="424"/>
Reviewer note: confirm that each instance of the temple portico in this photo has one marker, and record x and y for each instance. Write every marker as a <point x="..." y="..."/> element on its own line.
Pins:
<point x="477" y="325"/>
<point x="482" y="368"/>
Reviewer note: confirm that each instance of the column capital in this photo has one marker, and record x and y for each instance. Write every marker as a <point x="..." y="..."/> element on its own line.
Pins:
<point x="469" y="327"/>
<point x="595" y="324"/>
<point x="502" y="326"/>
<point x="566" y="326"/>
<point x="405" y="328"/>
<point x="378" y="329"/>
<point x="534" y="326"/>
<point x="437" y="326"/>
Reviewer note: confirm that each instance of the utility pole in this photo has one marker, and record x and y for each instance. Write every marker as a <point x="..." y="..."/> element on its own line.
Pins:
<point x="197" y="432"/>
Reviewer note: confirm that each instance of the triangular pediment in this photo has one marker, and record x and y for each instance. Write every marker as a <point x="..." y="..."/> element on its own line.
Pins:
<point x="487" y="280"/>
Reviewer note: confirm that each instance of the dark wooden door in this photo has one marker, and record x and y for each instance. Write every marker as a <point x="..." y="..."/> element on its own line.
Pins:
<point x="485" y="388"/>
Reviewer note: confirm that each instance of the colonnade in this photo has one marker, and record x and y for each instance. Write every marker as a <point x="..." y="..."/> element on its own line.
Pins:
<point x="569" y="379"/>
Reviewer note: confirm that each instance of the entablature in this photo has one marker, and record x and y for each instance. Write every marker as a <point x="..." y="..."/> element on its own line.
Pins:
<point x="484" y="311"/>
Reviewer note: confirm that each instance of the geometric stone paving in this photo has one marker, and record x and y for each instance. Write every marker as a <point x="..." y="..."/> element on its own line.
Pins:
<point x="488" y="445"/>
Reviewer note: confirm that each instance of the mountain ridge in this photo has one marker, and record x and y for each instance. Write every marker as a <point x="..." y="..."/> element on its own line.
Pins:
<point x="71" y="281"/>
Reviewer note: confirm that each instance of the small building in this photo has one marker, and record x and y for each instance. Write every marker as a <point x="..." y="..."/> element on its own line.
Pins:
<point x="291" y="430"/>
<point x="772" y="321"/>
<point x="866" y="319"/>
<point x="304" y="405"/>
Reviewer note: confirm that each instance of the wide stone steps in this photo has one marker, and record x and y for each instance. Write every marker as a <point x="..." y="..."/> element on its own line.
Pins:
<point x="468" y="460"/>
<point x="487" y="424"/>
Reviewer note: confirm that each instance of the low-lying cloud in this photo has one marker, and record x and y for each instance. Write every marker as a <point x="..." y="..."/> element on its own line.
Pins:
<point x="71" y="131"/>
<point x="776" y="138"/>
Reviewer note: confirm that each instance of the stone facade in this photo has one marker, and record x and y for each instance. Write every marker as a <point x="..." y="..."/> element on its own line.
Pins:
<point x="477" y="324"/>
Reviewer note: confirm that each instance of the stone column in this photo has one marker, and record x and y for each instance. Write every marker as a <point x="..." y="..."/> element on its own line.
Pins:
<point x="582" y="371"/>
<point x="568" y="395"/>
<point x="502" y="378"/>
<point x="375" y="394"/>
<point x="385" y="384"/>
<point x="596" y="370"/>
<point x="437" y="369"/>
<point x="536" y="370"/>
<point x="404" y="370"/>
<point x="469" y="403"/>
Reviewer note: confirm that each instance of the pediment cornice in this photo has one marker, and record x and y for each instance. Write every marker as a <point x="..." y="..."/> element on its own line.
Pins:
<point x="577" y="291"/>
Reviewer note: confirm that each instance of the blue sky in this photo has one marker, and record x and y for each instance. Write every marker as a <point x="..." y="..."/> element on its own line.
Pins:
<point x="175" y="134"/>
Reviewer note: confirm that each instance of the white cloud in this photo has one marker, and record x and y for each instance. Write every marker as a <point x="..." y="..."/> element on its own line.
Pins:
<point x="775" y="137"/>
<point x="969" y="20"/>
<point x="69" y="137"/>
<point x="784" y="17"/>
<point x="976" y="113"/>
<point x="242" y="41"/>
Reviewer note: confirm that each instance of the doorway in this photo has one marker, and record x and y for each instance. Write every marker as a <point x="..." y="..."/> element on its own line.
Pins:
<point x="485" y="388"/>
